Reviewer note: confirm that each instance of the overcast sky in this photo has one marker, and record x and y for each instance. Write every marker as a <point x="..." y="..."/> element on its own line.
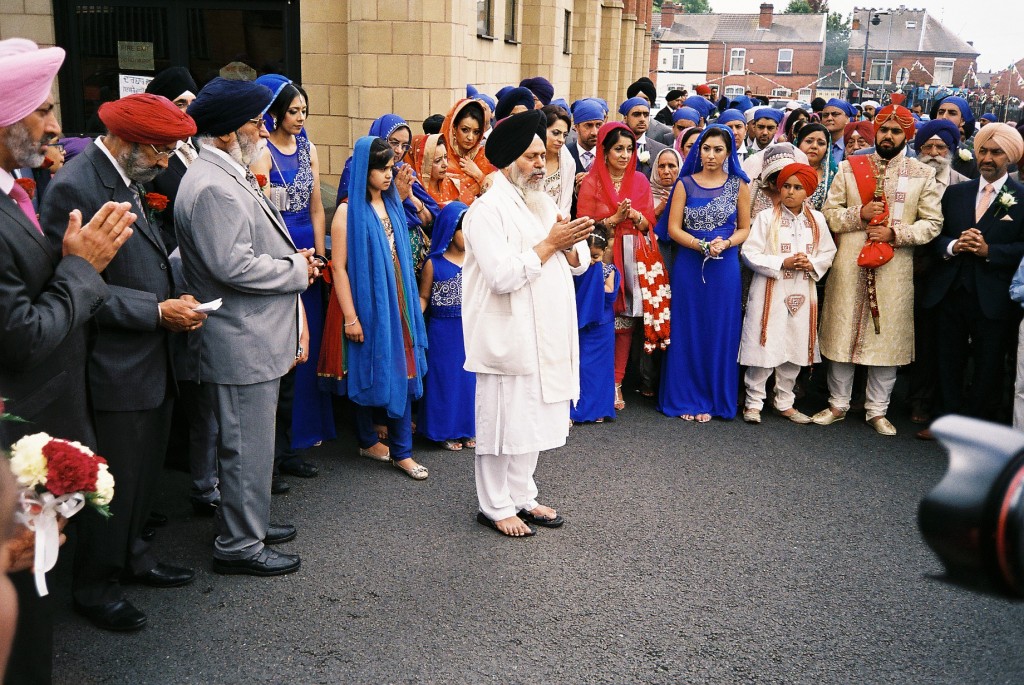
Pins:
<point x="998" y="40"/>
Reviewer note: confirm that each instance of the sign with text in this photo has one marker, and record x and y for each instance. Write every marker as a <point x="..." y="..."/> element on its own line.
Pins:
<point x="130" y="85"/>
<point x="135" y="56"/>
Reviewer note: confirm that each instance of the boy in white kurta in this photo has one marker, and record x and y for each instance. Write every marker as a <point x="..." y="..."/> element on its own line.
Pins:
<point x="789" y="250"/>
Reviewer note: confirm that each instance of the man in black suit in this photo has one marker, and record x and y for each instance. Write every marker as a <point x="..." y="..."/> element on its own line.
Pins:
<point x="980" y="247"/>
<point x="587" y="116"/>
<point x="130" y="380"/>
<point x="48" y="294"/>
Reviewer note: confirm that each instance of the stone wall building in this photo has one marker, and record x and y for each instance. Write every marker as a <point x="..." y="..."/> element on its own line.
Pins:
<point x="356" y="59"/>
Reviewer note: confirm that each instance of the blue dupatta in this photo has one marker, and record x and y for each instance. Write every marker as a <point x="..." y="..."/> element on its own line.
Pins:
<point x="445" y="225"/>
<point x="377" y="374"/>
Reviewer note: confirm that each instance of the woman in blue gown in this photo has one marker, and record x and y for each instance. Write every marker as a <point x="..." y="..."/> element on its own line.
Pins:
<point x="293" y="170"/>
<point x="596" y="290"/>
<point x="447" y="410"/>
<point x="709" y="216"/>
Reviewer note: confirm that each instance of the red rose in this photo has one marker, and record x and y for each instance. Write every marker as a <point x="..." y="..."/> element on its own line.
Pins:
<point x="156" y="201"/>
<point x="261" y="180"/>
<point x="28" y="185"/>
<point x="69" y="469"/>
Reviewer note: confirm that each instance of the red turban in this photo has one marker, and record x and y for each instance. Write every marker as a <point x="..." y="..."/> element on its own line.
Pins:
<point x="902" y="116"/>
<point x="146" y="118"/>
<point x="864" y="129"/>
<point x="703" y="89"/>
<point x="897" y="98"/>
<point x="807" y="175"/>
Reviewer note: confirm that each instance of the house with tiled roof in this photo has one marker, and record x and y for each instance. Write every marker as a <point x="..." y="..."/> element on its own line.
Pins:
<point x="775" y="55"/>
<point x="909" y="48"/>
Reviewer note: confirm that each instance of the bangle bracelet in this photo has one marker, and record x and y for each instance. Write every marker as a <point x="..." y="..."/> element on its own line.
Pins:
<point x="354" y="322"/>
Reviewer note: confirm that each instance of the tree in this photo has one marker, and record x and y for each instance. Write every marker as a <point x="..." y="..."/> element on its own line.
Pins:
<point x="799" y="7"/>
<point x="837" y="38"/>
<point x="691" y="6"/>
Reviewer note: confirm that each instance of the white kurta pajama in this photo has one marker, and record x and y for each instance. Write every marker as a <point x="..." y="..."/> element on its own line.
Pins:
<point x="519" y="321"/>
<point x="786" y="338"/>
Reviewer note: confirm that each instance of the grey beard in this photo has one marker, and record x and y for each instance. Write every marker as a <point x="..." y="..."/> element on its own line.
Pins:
<point x="245" y="153"/>
<point x="19" y="143"/>
<point x="523" y="182"/>
<point x="133" y="163"/>
<point x="940" y="164"/>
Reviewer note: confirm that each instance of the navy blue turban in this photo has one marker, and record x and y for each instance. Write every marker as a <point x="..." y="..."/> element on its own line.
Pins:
<point x="508" y="101"/>
<point x="539" y="86"/>
<point x="943" y="128"/>
<point x="223" y="105"/>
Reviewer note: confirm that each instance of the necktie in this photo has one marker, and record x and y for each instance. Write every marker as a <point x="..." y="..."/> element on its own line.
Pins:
<point x="24" y="202"/>
<point x="983" y="202"/>
<point x="587" y="158"/>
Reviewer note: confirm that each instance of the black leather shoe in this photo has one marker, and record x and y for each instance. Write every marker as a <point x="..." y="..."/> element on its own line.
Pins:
<point x="277" y="533"/>
<point x="300" y="468"/>
<point x="205" y="508"/>
<point x="148" y="533"/>
<point x="269" y="562"/>
<point x="164" y="575"/>
<point x="279" y="486"/>
<point x="156" y="520"/>
<point x="120" y="615"/>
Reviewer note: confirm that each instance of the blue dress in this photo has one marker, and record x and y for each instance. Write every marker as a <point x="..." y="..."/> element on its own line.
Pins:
<point x="449" y="391"/>
<point x="597" y="344"/>
<point x="292" y="175"/>
<point x="700" y="373"/>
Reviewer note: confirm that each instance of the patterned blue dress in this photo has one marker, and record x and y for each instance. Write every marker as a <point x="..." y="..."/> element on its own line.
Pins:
<point x="700" y="374"/>
<point x="291" y="181"/>
<point x="449" y="391"/>
<point x="597" y="344"/>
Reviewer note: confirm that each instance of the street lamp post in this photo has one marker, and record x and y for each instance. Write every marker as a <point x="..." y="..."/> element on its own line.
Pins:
<point x="873" y="18"/>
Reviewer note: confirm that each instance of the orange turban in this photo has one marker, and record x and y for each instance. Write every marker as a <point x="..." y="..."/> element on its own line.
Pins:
<point x="146" y="118"/>
<point x="807" y="175"/>
<point x="902" y="115"/>
<point x="1005" y="136"/>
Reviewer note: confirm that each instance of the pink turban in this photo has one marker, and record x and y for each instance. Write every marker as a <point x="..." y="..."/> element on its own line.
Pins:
<point x="1003" y="135"/>
<point x="26" y="77"/>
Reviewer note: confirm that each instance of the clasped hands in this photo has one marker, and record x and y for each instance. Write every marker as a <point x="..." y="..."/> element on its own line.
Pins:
<point x="178" y="314"/>
<point x="565" y="234"/>
<point x="971" y="241"/>
<point x="625" y="212"/>
<point x="312" y="264"/>
<point x="797" y="262"/>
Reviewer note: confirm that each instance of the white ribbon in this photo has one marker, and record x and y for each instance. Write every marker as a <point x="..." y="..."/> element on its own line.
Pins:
<point x="39" y="513"/>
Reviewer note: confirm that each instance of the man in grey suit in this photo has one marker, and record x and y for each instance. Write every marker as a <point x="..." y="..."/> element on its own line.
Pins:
<point x="235" y="247"/>
<point x="130" y="383"/>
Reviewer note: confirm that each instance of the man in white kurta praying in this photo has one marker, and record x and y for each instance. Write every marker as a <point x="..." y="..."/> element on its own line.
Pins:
<point x="789" y="250"/>
<point x="519" y="319"/>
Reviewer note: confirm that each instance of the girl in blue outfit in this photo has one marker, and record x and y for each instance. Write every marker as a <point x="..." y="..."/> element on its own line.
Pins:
<point x="447" y="411"/>
<point x="595" y="298"/>
<point x="709" y="216"/>
<point x="375" y="341"/>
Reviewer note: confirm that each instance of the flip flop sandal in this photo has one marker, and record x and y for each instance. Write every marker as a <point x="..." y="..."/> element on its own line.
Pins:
<point x="540" y="520"/>
<point x="469" y="443"/>
<point x="483" y="520"/>
<point x="452" y="445"/>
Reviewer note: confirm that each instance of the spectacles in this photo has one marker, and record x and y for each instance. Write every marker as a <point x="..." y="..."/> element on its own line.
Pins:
<point x="399" y="147"/>
<point x="162" y="154"/>
<point x="257" y="122"/>
<point x="830" y="115"/>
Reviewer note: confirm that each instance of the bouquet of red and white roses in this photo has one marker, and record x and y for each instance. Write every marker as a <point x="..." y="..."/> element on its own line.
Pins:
<point x="57" y="477"/>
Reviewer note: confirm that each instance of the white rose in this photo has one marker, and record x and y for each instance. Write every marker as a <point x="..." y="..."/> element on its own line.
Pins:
<point x="27" y="460"/>
<point x="965" y="154"/>
<point x="645" y="157"/>
<point x="104" y="486"/>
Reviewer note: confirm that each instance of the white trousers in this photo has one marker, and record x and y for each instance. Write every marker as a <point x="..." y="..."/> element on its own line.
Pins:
<point x="756" y="378"/>
<point x="881" y="380"/>
<point x="504" y="483"/>
<point x="1018" y="386"/>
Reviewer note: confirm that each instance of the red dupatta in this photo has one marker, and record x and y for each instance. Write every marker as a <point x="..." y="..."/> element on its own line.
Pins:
<point x="469" y="189"/>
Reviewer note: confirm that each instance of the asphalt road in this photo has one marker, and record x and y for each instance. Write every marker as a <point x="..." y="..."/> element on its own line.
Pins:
<point x="719" y="553"/>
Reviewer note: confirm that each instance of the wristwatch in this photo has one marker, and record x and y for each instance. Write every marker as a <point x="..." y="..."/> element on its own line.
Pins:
<point x="299" y="352"/>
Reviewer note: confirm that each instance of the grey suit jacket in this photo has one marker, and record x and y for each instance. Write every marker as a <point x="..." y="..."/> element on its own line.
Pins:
<point x="654" y="148"/>
<point x="236" y="247"/>
<point x="660" y="132"/>
<point x="129" y="366"/>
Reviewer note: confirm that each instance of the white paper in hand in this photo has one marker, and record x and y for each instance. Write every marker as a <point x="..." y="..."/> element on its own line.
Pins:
<point x="211" y="306"/>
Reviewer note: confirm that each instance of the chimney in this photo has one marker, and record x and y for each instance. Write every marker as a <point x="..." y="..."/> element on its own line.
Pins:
<point x="855" y="25"/>
<point x="668" y="15"/>
<point x="765" y="21"/>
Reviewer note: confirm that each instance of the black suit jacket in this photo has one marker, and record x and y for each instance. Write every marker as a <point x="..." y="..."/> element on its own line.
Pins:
<point x="129" y="368"/>
<point x="989" y="278"/>
<point x="167" y="184"/>
<point x="46" y="303"/>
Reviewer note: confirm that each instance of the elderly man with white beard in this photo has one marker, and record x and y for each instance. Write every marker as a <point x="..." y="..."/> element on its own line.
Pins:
<point x="519" y="317"/>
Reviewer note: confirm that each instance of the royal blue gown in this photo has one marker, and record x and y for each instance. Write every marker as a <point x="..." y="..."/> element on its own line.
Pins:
<point x="449" y="391"/>
<point x="700" y="372"/>
<point x="597" y="344"/>
<point x="312" y="415"/>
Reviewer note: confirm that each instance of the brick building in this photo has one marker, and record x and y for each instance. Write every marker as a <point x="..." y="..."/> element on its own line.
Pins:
<point x="775" y="55"/>
<point x="357" y="59"/>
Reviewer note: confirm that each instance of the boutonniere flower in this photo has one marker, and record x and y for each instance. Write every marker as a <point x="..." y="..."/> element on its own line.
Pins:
<point x="28" y="185"/>
<point x="1005" y="199"/>
<point x="262" y="180"/>
<point x="645" y="157"/>
<point x="965" y="154"/>
<point x="154" y="202"/>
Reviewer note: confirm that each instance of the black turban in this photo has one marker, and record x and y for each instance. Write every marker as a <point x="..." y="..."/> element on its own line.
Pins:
<point x="541" y="87"/>
<point x="512" y="136"/>
<point x="643" y="85"/>
<point x="223" y="105"/>
<point x="673" y="95"/>
<point x="172" y="83"/>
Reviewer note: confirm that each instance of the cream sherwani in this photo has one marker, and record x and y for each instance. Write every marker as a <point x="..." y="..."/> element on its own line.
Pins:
<point x="519" y="321"/>
<point x="847" y="332"/>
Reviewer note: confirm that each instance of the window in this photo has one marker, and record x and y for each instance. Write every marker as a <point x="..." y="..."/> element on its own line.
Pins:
<point x="567" y="34"/>
<point x="677" y="59"/>
<point x="510" y="20"/>
<point x="484" y="18"/>
<point x="943" y="75"/>
<point x="733" y="91"/>
<point x="785" y="61"/>
<point x="737" y="59"/>
<point x="805" y="94"/>
<point x="881" y="70"/>
<point x="911" y="24"/>
<point x="781" y="92"/>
